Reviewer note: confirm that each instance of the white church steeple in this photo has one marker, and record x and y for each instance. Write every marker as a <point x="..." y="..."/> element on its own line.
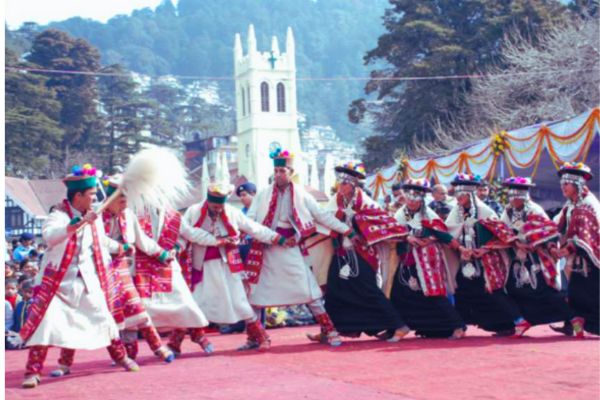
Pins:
<point x="275" y="45"/>
<point x="266" y="115"/>
<point x="251" y="40"/>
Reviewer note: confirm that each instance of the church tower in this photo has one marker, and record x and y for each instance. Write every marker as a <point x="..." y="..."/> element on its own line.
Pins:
<point x="266" y="114"/>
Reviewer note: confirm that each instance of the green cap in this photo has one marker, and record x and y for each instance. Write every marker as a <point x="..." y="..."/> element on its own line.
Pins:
<point x="80" y="182"/>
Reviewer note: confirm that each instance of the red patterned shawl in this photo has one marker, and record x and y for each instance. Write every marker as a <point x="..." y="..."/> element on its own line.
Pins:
<point x="255" y="257"/>
<point x="150" y="274"/>
<point x="583" y="230"/>
<point x="133" y="308"/>
<point x="430" y="261"/>
<point x="373" y="223"/>
<point x="185" y="260"/>
<point x="494" y="268"/>
<point x="539" y="231"/>
<point x="234" y="259"/>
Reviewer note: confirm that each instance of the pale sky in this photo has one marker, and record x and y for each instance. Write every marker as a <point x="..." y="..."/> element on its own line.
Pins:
<point x="45" y="11"/>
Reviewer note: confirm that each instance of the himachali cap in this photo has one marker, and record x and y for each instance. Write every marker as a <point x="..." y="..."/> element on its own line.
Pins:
<point x="417" y="186"/>
<point x="416" y="189"/>
<point x="518" y="187"/>
<point x="112" y="183"/>
<point x="282" y="158"/>
<point x="218" y="192"/>
<point x="571" y="170"/>
<point x="81" y="178"/>
<point x="466" y="183"/>
<point x="350" y="172"/>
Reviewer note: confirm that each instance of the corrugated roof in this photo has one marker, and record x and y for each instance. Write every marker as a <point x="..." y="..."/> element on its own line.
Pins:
<point x="35" y="196"/>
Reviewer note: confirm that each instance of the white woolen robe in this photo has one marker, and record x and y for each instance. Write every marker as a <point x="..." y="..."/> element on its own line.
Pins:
<point x="221" y="294"/>
<point x="136" y="236"/>
<point x="77" y="316"/>
<point x="176" y="309"/>
<point x="286" y="277"/>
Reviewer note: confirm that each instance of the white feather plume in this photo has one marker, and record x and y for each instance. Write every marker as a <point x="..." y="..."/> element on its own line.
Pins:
<point x="155" y="178"/>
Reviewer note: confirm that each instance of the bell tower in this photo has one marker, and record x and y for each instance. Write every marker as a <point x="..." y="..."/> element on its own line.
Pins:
<point x="266" y="113"/>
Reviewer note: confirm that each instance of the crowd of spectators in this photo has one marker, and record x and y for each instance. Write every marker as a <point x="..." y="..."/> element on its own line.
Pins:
<point x="22" y="259"/>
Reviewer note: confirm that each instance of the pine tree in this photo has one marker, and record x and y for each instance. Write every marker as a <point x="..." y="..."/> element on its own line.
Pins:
<point x="33" y="134"/>
<point x="123" y="117"/>
<point x="165" y="98"/>
<point x="54" y="49"/>
<point x="436" y="38"/>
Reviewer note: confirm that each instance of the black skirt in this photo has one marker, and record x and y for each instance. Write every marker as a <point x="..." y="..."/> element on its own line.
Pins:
<point x="429" y="316"/>
<point x="584" y="297"/>
<point x="540" y="305"/>
<point x="357" y="304"/>
<point x="493" y="312"/>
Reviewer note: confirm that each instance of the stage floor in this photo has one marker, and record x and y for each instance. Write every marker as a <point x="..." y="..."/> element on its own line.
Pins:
<point x="541" y="366"/>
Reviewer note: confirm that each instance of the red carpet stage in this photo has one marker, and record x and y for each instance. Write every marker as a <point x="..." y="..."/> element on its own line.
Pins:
<point x="541" y="366"/>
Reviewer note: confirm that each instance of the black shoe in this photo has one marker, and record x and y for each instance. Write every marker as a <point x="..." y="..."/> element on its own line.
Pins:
<point x="504" y="333"/>
<point x="234" y="328"/>
<point x="566" y="329"/>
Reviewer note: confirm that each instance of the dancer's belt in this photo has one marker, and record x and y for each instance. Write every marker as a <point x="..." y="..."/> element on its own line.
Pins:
<point x="212" y="253"/>
<point x="286" y="232"/>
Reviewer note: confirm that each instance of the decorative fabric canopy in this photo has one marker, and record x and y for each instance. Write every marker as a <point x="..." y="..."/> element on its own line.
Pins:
<point x="517" y="152"/>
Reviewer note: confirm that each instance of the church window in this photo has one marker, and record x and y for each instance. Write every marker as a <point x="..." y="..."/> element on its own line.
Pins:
<point x="264" y="97"/>
<point x="280" y="97"/>
<point x="243" y="102"/>
<point x="248" y="93"/>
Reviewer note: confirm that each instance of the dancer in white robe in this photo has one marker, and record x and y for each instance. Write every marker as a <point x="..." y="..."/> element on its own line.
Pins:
<point x="217" y="276"/>
<point x="75" y="304"/>
<point x="282" y="275"/>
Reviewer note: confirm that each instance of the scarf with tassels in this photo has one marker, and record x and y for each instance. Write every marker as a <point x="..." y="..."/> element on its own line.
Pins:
<point x="133" y="308"/>
<point x="580" y="225"/>
<point x="152" y="276"/>
<point x="232" y="251"/>
<point x="373" y="223"/>
<point x="255" y="257"/>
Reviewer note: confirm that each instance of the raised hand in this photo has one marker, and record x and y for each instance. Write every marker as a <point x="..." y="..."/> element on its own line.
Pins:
<point x="130" y="250"/>
<point x="465" y="254"/>
<point x="290" y="242"/>
<point x="89" y="217"/>
<point x="414" y="241"/>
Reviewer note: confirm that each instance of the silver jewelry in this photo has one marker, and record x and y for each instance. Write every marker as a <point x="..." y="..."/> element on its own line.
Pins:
<point x="470" y="271"/>
<point x="413" y="284"/>
<point x="348" y="265"/>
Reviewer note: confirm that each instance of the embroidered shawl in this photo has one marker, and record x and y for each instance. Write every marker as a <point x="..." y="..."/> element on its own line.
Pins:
<point x="152" y="276"/>
<point x="491" y="234"/>
<point x="130" y="299"/>
<point x="580" y="225"/>
<point x="537" y="230"/>
<point x="373" y="223"/>
<point x="232" y="252"/>
<point x="429" y="260"/>
<point x="301" y="219"/>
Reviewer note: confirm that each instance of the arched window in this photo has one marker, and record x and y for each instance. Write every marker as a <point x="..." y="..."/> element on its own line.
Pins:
<point x="243" y="102"/>
<point x="249" y="103"/>
<point x="280" y="97"/>
<point x="264" y="97"/>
